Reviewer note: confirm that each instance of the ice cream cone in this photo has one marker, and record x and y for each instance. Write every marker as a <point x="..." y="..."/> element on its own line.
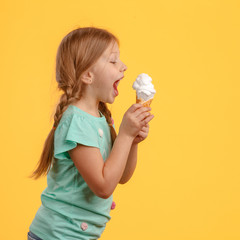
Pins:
<point x="143" y="102"/>
<point x="144" y="89"/>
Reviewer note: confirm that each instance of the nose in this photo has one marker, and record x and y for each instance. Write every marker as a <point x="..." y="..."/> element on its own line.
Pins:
<point x="123" y="67"/>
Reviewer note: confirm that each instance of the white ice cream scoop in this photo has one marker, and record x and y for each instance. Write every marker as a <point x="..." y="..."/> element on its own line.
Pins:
<point x="144" y="88"/>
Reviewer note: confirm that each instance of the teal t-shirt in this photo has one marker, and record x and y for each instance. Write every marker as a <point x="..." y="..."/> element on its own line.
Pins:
<point x="68" y="202"/>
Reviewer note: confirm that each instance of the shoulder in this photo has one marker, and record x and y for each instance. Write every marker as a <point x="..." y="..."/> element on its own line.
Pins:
<point x="70" y="113"/>
<point x="73" y="112"/>
<point x="75" y="127"/>
<point x="75" y="121"/>
<point x="74" y="118"/>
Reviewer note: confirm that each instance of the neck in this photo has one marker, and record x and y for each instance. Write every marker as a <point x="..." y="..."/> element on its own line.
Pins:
<point x="89" y="105"/>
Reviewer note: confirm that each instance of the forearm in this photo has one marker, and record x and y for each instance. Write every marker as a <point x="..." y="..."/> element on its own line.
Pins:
<point x="131" y="164"/>
<point x="116" y="162"/>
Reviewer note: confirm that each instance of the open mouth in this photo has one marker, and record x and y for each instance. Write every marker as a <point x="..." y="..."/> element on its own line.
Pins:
<point x="115" y="85"/>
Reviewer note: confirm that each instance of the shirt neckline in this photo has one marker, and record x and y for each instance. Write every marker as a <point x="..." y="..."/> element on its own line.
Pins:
<point x="88" y="114"/>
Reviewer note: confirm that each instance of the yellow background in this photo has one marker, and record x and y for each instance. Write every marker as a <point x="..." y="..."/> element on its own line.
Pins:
<point x="186" y="185"/>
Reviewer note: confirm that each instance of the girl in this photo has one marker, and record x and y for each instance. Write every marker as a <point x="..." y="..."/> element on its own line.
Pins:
<point x="83" y="157"/>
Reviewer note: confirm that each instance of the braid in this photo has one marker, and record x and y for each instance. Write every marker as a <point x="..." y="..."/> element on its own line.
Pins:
<point x="70" y="96"/>
<point x="106" y="112"/>
<point x="61" y="107"/>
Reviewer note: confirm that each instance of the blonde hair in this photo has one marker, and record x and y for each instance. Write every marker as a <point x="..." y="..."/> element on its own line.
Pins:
<point x="78" y="51"/>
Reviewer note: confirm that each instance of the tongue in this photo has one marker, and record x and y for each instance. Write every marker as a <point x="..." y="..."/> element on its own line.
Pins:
<point x="115" y="88"/>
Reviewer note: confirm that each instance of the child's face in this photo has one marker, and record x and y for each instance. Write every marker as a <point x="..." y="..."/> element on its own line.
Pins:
<point x="107" y="72"/>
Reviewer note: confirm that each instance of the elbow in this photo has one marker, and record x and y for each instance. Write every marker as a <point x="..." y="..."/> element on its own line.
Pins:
<point x="104" y="193"/>
<point x="104" y="196"/>
<point x="123" y="181"/>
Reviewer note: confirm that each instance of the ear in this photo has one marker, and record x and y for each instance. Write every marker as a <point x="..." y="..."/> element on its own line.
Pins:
<point x="87" y="77"/>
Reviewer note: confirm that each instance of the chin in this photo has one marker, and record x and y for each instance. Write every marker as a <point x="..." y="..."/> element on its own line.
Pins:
<point x="111" y="101"/>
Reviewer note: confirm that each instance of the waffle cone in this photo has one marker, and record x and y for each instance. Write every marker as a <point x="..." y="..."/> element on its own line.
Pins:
<point x="143" y="102"/>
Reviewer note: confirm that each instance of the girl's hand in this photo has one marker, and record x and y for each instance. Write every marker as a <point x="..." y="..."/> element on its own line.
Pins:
<point x="135" y="118"/>
<point x="142" y="135"/>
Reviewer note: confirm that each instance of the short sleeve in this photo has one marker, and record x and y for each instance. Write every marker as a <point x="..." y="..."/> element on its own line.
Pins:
<point x="73" y="130"/>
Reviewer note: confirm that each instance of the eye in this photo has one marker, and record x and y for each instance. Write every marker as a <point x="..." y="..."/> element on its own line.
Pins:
<point x="113" y="62"/>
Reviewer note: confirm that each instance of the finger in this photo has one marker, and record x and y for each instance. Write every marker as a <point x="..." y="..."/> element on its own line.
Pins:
<point x="135" y="106"/>
<point x="146" y="126"/>
<point x="145" y="129"/>
<point x="140" y="139"/>
<point x="147" y="120"/>
<point x="142" y="134"/>
<point x="143" y="115"/>
<point x="141" y="110"/>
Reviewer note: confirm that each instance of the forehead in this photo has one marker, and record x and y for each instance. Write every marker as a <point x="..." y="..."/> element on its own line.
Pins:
<point x="112" y="49"/>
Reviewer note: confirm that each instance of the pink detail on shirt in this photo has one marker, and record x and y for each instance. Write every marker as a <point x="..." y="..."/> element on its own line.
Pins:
<point x="84" y="226"/>
<point x="113" y="205"/>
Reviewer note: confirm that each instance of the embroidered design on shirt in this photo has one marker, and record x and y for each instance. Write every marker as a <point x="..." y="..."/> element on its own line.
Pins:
<point x="84" y="226"/>
<point x="112" y="121"/>
<point x="113" y="205"/>
<point x="100" y="131"/>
